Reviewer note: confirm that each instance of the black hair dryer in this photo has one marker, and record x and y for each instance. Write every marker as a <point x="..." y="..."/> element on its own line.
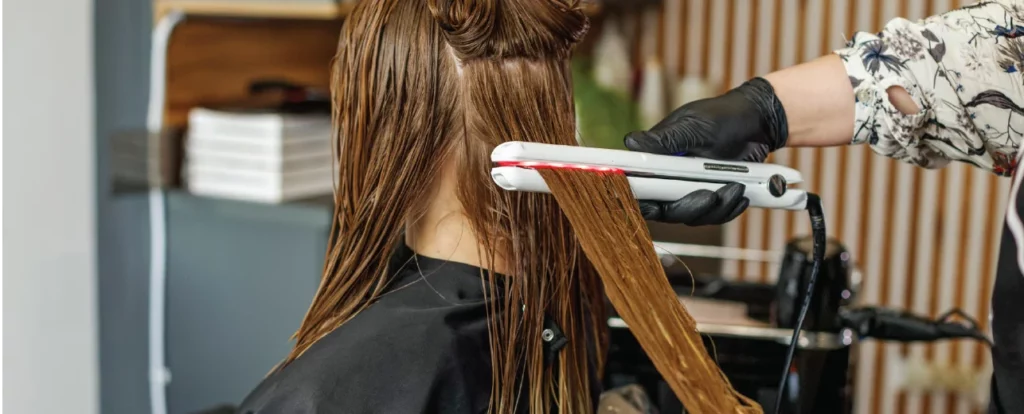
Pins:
<point x="819" y="386"/>
<point x="834" y="288"/>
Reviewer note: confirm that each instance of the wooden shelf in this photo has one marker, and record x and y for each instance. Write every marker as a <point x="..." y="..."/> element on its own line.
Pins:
<point x="212" y="62"/>
<point x="256" y="9"/>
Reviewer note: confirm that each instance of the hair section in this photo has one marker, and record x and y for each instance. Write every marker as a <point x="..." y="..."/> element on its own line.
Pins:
<point x="394" y="99"/>
<point x="615" y="237"/>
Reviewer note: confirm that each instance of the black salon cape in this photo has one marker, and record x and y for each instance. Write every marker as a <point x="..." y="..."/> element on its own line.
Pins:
<point x="421" y="348"/>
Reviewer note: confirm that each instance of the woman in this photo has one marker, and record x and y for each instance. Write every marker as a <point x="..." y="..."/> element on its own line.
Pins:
<point x="949" y="88"/>
<point x="440" y="292"/>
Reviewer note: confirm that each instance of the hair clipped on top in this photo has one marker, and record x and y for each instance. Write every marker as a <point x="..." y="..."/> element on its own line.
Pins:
<point x="492" y="29"/>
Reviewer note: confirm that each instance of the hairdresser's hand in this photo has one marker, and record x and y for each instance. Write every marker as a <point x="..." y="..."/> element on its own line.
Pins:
<point x="745" y="124"/>
<point x="699" y="208"/>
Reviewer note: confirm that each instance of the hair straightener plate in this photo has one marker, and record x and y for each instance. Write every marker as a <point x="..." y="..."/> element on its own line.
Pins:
<point x="652" y="177"/>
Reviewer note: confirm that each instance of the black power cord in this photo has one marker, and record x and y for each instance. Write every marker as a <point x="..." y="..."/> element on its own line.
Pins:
<point x="817" y="215"/>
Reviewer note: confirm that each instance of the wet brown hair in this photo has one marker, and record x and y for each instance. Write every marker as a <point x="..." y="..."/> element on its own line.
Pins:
<point x="636" y="284"/>
<point x="421" y="85"/>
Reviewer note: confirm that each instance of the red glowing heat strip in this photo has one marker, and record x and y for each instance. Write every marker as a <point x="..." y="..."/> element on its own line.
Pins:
<point x="536" y="165"/>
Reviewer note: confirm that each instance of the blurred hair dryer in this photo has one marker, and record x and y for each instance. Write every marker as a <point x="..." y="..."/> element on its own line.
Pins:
<point x="897" y="325"/>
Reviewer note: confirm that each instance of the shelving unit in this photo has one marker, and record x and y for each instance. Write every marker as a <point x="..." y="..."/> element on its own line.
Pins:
<point x="217" y="263"/>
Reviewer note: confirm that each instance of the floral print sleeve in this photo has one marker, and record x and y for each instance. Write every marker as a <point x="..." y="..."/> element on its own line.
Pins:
<point x="964" y="68"/>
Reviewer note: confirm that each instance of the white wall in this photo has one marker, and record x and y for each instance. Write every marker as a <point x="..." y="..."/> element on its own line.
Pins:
<point x="49" y="269"/>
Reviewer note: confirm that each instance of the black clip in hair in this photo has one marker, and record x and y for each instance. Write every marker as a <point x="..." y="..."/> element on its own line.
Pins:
<point x="554" y="340"/>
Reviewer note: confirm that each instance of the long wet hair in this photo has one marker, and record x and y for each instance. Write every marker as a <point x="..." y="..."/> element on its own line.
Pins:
<point x="419" y="86"/>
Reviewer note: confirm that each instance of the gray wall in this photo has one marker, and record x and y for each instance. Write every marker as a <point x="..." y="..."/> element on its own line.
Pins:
<point x="122" y="46"/>
<point x="122" y="36"/>
<point x="50" y="323"/>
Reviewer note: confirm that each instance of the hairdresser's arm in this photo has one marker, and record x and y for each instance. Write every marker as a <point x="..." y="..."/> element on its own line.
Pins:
<point x="818" y="102"/>
<point x="930" y="92"/>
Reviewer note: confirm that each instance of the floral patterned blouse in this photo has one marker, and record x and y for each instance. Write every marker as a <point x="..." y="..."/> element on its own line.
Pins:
<point x="964" y="68"/>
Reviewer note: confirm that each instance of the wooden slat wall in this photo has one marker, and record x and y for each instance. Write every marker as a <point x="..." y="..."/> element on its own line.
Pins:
<point x="926" y="240"/>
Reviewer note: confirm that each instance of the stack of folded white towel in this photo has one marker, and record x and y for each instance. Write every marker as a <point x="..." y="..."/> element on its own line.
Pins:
<point x="258" y="156"/>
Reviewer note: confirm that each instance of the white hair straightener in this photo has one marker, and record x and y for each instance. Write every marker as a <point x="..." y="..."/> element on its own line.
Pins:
<point x="652" y="177"/>
<point x="669" y="178"/>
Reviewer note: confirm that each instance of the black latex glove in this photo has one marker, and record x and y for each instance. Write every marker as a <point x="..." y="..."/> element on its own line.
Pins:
<point x="745" y="124"/>
<point x="699" y="208"/>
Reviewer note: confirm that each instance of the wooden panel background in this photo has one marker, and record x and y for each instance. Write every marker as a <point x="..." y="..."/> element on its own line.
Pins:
<point x="926" y="240"/>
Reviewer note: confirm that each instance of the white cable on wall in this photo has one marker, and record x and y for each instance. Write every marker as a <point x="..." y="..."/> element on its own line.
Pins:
<point x="159" y="375"/>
